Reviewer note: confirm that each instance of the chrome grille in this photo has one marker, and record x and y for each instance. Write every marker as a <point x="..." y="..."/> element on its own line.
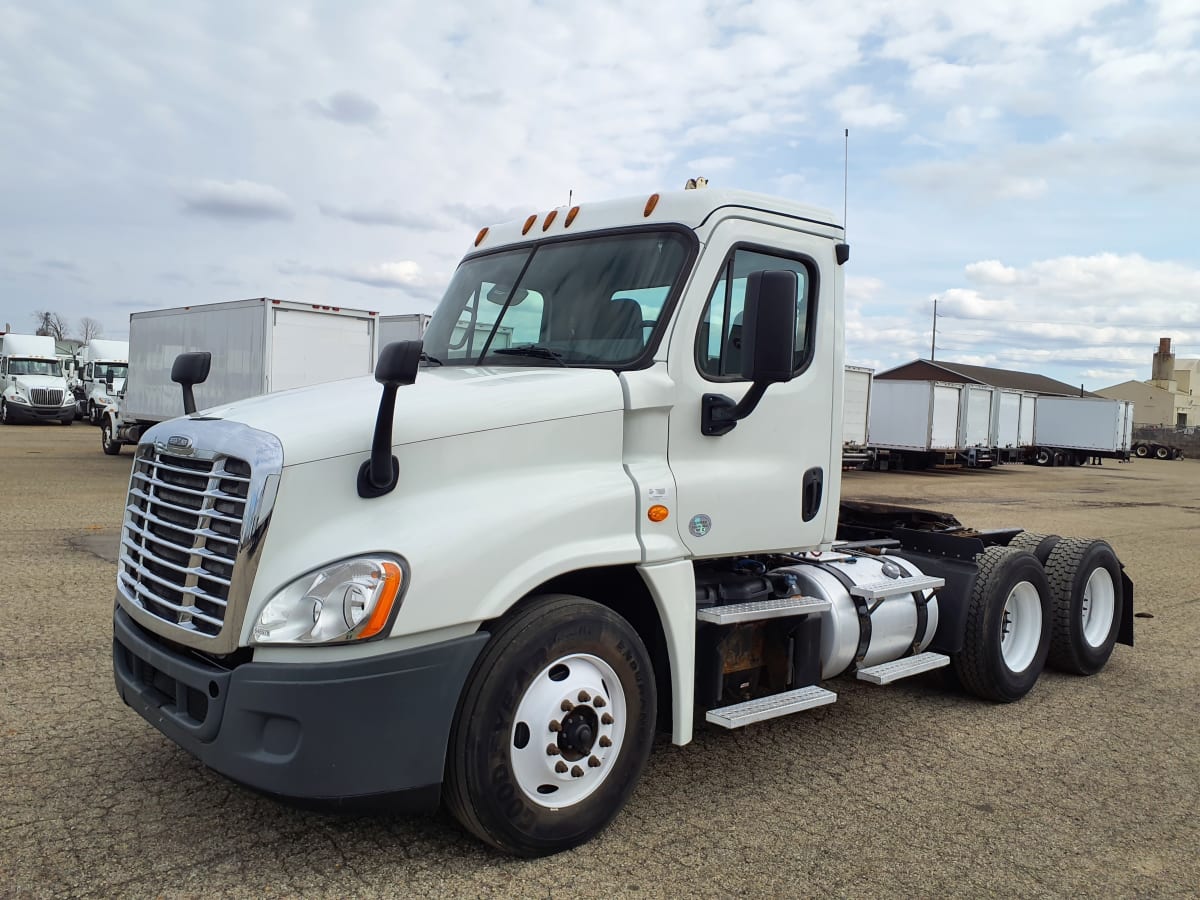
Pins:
<point x="182" y="534"/>
<point x="45" y="396"/>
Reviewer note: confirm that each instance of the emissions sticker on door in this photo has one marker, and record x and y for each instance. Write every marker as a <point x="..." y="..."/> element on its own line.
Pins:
<point x="700" y="525"/>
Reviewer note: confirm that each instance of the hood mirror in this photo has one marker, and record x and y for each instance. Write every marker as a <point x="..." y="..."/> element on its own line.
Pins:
<point x="190" y="369"/>
<point x="398" y="365"/>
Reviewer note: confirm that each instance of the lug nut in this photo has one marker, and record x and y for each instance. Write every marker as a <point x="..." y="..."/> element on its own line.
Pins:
<point x="566" y="706"/>
<point x="555" y="725"/>
<point x="606" y="719"/>
<point x="584" y="696"/>
<point x="560" y="767"/>
<point x="604" y="742"/>
<point x="576" y="772"/>
<point x="593" y="761"/>
<point x="599" y="702"/>
<point x="552" y="750"/>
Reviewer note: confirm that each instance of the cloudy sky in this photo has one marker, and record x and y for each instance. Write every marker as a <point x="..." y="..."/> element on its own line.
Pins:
<point x="1035" y="164"/>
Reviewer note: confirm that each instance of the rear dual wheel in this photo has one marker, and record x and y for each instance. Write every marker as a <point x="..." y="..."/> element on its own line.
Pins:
<point x="1007" y="634"/>
<point x="553" y="729"/>
<point x="1087" y="602"/>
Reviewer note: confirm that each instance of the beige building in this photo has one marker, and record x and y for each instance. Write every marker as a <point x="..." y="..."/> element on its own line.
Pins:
<point x="1171" y="397"/>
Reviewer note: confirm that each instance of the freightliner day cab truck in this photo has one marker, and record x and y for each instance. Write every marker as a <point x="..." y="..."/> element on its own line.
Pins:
<point x="493" y="578"/>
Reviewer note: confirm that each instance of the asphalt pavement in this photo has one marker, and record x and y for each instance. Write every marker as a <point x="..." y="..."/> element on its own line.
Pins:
<point x="1088" y="787"/>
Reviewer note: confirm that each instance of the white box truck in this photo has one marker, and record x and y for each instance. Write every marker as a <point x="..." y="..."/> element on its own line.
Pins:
<point x="101" y="367"/>
<point x="1072" y="430"/>
<point x="258" y="347"/>
<point x="915" y="424"/>
<point x="31" y="375"/>
<point x="856" y="410"/>
<point x="489" y="579"/>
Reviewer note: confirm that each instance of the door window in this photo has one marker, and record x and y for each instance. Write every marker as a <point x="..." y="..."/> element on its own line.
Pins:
<point x="719" y="340"/>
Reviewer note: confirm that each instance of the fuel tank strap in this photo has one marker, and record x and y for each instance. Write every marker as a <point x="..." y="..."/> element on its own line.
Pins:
<point x="921" y="603"/>
<point x="860" y="607"/>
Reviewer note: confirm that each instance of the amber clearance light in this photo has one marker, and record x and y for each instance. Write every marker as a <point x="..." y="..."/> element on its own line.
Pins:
<point x="657" y="513"/>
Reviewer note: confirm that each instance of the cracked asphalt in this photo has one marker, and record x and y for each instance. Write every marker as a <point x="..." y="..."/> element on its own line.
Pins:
<point x="1088" y="787"/>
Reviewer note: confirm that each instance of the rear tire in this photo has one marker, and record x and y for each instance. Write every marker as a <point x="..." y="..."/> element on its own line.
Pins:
<point x="1141" y="451"/>
<point x="1039" y="545"/>
<point x="1162" y="453"/>
<point x="1043" y="457"/>
<point x="1087" y="601"/>
<point x="1007" y="635"/>
<point x="525" y="773"/>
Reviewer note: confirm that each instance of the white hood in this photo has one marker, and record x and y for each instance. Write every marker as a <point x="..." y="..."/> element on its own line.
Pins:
<point x="338" y="418"/>
<point x="29" y="382"/>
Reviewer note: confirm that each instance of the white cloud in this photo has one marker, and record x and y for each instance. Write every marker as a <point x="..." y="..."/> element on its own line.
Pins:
<point x="858" y="108"/>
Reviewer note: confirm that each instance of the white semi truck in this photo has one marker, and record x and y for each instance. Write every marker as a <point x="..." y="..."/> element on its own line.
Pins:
<point x="101" y="367"/>
<point x="257" y="346"/>
<point x="32" y="385"/>
<point x="492" y="579"/>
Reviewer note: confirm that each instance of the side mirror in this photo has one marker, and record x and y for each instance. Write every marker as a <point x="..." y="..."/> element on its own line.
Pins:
<point x="398" y="365"/>
<point x="190" y="369"/>
<point x="768" y="348"/>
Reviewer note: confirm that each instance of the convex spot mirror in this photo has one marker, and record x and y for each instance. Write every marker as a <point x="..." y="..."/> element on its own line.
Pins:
<point x="769" y="327"/>
<point x="499" y="295"/>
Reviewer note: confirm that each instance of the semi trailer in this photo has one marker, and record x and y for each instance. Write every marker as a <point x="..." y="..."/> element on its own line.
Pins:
<point x="856" y="415"/>
<point x="1074" y="430"/>
<point x="257" y="347"/>
<point x="489" y="575"/>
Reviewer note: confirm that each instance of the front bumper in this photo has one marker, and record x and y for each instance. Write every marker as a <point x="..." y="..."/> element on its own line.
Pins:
<point x="368" y="730"/>
<point x="20" y="412"/>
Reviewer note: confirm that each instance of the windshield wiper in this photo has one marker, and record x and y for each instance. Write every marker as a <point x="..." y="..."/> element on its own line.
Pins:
<point x="432" y="360"/>
<point x="534" y="350"/>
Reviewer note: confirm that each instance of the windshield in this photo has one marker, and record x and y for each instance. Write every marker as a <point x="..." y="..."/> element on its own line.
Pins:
<point x="593" y="301"/>
<point x="34" y="367"/>
<point x="103" y="370"/>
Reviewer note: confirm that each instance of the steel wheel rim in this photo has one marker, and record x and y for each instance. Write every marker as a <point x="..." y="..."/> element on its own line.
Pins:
<point x="1021" y="626"/>
<point x="1098" y="607"/>
<point x="551" y="765"/>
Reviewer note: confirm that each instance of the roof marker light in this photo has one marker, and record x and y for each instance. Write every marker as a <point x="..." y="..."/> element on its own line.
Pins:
<point x="479" y="237"/>
<point x="650" y="204"/>
<point x="529" y="224"/>
<point x="549" y="219"/>
<point x="571" y="216"/>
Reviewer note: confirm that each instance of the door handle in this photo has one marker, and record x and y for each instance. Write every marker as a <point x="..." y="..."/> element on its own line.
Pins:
<point x="811" y="491"/>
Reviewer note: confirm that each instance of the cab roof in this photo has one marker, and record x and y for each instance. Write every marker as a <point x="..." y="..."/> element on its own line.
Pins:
<point x="691" y="208"/>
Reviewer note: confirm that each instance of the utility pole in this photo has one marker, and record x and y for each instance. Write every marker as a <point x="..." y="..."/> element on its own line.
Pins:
<point x="933" y="343"/>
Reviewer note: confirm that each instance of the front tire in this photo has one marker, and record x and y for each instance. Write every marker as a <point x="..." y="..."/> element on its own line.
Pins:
<point x="5" y="416"/>
<point x="553" y="729"/>
<point x="108" y="443"/>
<point x="1087" y="604"/>
<point x="1007" y="633"/>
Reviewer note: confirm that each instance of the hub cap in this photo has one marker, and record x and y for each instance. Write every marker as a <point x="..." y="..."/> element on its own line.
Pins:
<point x="568" y="730"/>
<point x="1021" y="626"/>
<point x="1099" y="604"/>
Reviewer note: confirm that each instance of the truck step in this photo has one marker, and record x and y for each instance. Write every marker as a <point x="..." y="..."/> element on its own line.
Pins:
<point x="894" y="587"/>
<point x="886" y="673"/>
<point x="732" y="613"/>
<point x="741" y="714"/>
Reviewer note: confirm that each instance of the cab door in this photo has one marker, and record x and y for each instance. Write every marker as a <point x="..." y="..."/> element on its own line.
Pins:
<point x="772" y="482"/>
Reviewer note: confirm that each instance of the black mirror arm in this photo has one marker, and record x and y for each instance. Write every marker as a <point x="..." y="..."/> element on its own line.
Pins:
<point x="720" y="415"/>
<point x="189" y="400"/>
<point x="379" y="474"/>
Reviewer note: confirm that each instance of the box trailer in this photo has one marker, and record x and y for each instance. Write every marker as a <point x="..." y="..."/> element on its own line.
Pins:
<point x="1012" y="424"/>
<point x="258" y="346"/>
<point x="914" y="423"/>
<point x="1070" y="430"/>
<point x="856" y="410"/>
<point x="405" y="327"/>
<point x="977" y="424"/>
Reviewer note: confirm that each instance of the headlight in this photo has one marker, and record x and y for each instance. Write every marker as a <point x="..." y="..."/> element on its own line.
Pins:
<point x="68" y="399"/>
<point x="352" y="600"/>
<point x="17" y="398"/>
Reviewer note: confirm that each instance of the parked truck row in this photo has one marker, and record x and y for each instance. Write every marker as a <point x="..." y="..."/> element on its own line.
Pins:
<point x="599" y="498"/>
<point x="896" y="424"/>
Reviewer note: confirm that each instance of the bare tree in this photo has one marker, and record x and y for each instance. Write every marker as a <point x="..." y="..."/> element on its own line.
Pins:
<point x="89" y="328"/>
<point x="50" y="323"/>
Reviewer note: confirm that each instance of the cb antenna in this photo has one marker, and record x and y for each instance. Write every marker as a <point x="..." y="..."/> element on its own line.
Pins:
<point x="845" y="181"/>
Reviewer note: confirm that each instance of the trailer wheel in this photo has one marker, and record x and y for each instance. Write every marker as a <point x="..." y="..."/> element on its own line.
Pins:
<point x="1039" y="545"/>
<point x="1161" y="452"/>
<point x="1087" y="601"/>
<point x="1007" y="626"/>
<point x="108" y="444"/>
<point x="1141" y="451"/>
<point x="553" y="729"/>
<point x="1043" y="457"/>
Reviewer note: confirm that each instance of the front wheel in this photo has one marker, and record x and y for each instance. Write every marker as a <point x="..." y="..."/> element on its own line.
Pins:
<point x="1087" y="602"/>
<point x="1007" y="633"/>
<point x="5" y="415"/>
<point x="553" y="729"/>
<point x="108" y="443"/>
